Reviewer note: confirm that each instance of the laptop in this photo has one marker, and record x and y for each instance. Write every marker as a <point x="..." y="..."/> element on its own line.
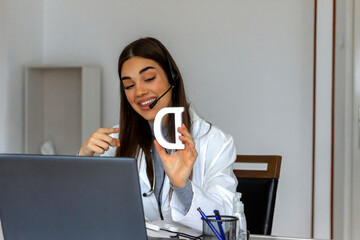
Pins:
<point x="46" y="197"/>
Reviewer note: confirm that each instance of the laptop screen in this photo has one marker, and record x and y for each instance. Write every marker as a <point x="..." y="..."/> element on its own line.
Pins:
<point x="70" y="197"/>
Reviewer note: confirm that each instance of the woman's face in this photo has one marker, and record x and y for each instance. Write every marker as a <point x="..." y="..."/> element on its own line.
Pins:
<point x="145" y="81"/>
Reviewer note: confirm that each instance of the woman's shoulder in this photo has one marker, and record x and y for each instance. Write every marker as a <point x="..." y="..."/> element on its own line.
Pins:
<point x="212" y="143"/>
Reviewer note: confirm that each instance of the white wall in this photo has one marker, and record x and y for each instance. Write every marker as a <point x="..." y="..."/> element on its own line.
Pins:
<point x="344" y="160"/>
<point x="247" y="65"/>
<point x="322" y="181"/>
<point x="355" y="207"/>
<point x="20" y="44"/>
<point x="3" y="101"/>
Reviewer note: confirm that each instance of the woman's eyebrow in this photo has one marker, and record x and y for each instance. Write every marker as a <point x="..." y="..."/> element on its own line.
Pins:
<point x="124" y="78"/>
<point x="140" y="72"/>
<point x="145" y="69"/>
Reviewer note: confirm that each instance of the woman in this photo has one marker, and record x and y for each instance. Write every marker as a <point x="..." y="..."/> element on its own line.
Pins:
<point x="174" y="183"/>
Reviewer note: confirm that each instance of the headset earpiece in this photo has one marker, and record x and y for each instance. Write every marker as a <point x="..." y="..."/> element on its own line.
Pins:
<point x="173" y="76"/>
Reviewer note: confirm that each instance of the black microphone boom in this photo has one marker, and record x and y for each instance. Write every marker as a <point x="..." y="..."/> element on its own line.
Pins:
<point x="151" y="106"/>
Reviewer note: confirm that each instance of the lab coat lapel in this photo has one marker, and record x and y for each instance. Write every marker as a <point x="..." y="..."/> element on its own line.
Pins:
<point x="142" y="170"/>
<point x="165" y="192"/>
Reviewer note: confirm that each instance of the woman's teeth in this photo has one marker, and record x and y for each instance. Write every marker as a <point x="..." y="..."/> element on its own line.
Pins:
<point x="147" y="102"/>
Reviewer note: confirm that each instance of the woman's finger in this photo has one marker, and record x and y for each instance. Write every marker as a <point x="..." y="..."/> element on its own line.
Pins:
<point x="187" y="140"/>
<point x="103" y="134"/>
<point x="117" y="142"/>
<point x="104" y="145"/>
<point x="186" y="137"/>
<point x="108" y="131"/>
<point x="114" y="142"/>
<point x="96" y="149"/>
<point x="184" y="131"/>
<point x="161" y="151"/>
<point x="192" y="150"/>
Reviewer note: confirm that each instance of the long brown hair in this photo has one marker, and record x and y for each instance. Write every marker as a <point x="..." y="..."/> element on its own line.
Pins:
<point x="135" y="133"/>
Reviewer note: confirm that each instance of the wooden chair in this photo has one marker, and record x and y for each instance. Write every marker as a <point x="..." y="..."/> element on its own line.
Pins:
<point x="258" y="188"/>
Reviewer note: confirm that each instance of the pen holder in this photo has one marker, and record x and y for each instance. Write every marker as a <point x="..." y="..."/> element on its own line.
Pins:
<point x="228" y="224"/>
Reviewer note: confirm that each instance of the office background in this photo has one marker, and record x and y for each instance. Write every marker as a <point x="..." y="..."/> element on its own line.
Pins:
<point x="249" y="67"/>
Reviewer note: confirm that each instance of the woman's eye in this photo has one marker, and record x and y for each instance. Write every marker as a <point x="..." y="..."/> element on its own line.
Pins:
<point x="128" y="87"/>
<point x="150" y="79"/>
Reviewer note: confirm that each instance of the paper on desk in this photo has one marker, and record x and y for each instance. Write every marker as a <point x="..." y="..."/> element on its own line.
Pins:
<point x="165" y="234"/>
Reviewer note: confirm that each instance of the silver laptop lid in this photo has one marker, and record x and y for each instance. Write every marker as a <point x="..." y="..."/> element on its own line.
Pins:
<point x="68" y="197"/>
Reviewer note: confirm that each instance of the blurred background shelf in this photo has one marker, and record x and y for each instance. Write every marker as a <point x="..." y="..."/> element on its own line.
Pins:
<point x="62" y="105"/>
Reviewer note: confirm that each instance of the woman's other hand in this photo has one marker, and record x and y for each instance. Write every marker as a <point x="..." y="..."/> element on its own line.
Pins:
<point x="178" y="166"/>
<point x="99" y="142"/>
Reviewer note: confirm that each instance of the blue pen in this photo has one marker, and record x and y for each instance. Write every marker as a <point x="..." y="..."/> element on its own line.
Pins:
<point x="210" y="225"/>
<point x="217" y="215"/>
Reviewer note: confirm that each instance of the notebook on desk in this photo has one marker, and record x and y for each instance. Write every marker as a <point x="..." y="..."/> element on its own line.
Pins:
<point x="69" y="197"/>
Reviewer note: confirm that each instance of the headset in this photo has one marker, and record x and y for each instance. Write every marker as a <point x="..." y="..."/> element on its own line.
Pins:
<point x="173" y="77"/>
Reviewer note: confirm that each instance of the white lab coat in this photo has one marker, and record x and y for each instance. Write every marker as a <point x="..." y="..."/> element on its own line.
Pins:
<point x="213" y="181"/>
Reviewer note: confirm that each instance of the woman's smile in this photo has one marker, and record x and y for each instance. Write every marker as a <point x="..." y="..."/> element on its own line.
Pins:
<point x="145" y="104"/>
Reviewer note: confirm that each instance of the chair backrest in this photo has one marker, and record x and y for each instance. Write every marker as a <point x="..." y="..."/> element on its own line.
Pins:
<point x="258" y="188"/>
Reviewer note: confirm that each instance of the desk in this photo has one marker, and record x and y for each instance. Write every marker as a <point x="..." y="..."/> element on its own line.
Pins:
<point x="262" y="237"/>
<point x="252" y="237"/>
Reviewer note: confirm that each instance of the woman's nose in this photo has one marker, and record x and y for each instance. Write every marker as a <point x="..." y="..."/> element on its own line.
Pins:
<point x="140" y="89"/>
